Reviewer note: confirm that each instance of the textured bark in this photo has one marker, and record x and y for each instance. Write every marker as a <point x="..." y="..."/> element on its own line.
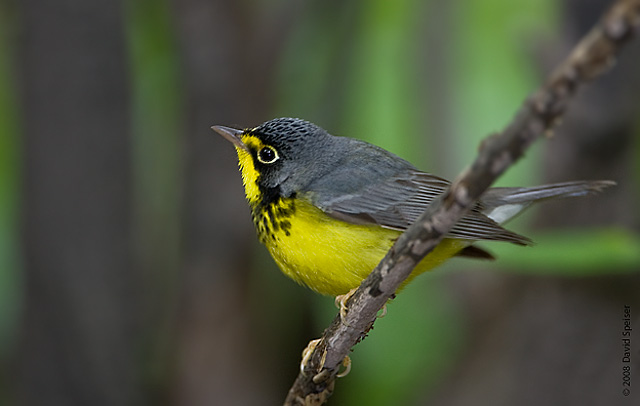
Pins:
<point x="77" y="344"/>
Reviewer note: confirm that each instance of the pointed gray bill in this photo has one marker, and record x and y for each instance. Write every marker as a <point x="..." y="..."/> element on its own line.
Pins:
<point x="231" y="134"/>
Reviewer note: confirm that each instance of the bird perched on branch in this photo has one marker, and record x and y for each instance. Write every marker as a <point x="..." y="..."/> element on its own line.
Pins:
<point x="329" y="208"/>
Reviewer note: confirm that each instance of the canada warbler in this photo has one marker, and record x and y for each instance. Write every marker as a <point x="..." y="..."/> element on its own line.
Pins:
<point x="328" y="208"/>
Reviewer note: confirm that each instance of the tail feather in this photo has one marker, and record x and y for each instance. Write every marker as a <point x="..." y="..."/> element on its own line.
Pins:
<point x="503" y="203"/>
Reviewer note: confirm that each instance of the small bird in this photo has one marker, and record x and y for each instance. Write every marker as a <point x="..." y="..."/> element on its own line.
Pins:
<point x="329" y="208"/>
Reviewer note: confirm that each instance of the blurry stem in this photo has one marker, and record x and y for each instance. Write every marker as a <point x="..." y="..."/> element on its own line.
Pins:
<point x="538" y="115"/>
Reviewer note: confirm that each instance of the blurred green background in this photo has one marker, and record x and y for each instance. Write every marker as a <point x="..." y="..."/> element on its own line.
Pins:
<point x="129" y="271"/>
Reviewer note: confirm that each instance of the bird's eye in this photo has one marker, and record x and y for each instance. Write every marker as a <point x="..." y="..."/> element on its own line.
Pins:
<point x="267" y="155"/>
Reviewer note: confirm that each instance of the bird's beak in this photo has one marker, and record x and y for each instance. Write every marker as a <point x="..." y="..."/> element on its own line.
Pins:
<point x="232" y="135"/>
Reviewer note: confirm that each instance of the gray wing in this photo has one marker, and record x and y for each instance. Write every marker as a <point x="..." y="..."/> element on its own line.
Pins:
<point x="396" y="201"/>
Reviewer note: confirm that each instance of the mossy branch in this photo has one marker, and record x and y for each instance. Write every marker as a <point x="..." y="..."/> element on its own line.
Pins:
<point x="539" y="114"/>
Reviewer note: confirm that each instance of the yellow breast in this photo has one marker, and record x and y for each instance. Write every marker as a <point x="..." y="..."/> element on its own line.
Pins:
<point x="331" y="256"/>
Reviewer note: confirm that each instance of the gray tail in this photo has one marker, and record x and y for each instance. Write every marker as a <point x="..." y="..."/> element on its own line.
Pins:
<point x="503" y="203"/>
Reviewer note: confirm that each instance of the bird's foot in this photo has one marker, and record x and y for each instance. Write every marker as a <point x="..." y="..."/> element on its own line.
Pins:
<point x="383" y="312"/>
<point x="306" y="353"/>
<point x="346" y="363"/>
<point x="341" y="303"/>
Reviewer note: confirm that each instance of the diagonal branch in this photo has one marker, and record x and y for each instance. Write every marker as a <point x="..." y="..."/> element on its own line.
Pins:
<point x="538" y="115"/>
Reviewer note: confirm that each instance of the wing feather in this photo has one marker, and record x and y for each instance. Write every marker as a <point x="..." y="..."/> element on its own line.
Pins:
<point x="396" y="202"/>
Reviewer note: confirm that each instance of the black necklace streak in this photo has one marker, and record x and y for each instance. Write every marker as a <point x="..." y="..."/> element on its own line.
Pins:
<point x="271" y="214"/>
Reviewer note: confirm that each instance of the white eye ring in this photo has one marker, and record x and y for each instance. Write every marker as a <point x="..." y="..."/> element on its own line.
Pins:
<point x="268" y="155"/>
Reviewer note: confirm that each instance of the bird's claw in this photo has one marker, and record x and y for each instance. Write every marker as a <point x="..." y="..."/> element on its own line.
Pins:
<point x="306" y="353"/>
<point x="341" y="303"/>
<point x="383" y="312"/>
<point x="346" y="363"/>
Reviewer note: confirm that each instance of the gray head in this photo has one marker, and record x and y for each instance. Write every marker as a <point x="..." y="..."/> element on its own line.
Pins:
<point x="286" y="153"/>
